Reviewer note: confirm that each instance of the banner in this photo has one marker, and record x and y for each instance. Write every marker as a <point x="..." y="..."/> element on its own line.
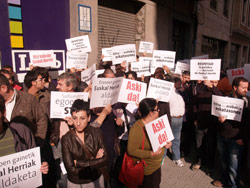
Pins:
<point x="132" y="91"/>
<point x="61" y="102"/>
<point x="181" y="67"/>
<point x="205" y="69"/>
<point x="234" y="73"/>
<point x="160" y="89"/>
<point x="123" y="53"/>
<point x="230" y="108"/>
<point x="141" y="68"/>
<point x="164" y="57"/>
<point x="42" y="58"/>
<point x="159" y="132"/>
<point x="105" y="91"/>
<point x="76" y="60"/>
<point x="79" y="44"/>
<point x="89" y="74"/>
<point x="21" y="169"/>
<point x="107" y="53"/>
<point x="146" y="47"/>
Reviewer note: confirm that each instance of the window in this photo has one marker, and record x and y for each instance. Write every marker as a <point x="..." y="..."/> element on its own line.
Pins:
<point x="213" y="4"/>
<point x="226" y="8"/>
<point x="244" y="12"/>
<point x="249" y="15"/>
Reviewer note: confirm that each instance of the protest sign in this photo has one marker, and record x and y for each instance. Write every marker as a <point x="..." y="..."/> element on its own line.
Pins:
<point x="160" y="89"/>
<point x="123" y="53"/>
<point x="42" y="58"/>
<point x="234" y="73"/>
<point x="79" y="44"/>
<point x="141" y="68"/>
<point x="89" y="74"/>
<point x="21" y="169"/>
<point x="76" y="60"/>
<point x="132" y="91"/>
<point x="61" y="102"/>
<point x="206" y="56"/>
<point x="105" y="91"/>
<point x="159" y="132"/>
<point x="181" y="67"/>
<point x="107" y="53"/>
<point x="205" y="69"/>
<point x="99" y="72"/>
<point x="164" y="57"/>
<point x="146" y="47"/>
<point x="230" y="108"/>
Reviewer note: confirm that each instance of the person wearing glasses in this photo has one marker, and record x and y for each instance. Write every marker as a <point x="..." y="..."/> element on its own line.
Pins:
<point x="148" y="111"/>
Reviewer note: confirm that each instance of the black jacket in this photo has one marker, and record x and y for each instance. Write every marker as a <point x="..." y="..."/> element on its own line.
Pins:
<point x="86" y="170"/>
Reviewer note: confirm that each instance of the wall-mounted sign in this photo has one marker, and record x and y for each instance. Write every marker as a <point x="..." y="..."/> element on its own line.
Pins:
<point x="84" y="18"/>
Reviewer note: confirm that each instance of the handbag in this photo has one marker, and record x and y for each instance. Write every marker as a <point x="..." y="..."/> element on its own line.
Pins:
<point x="131" y="173"/>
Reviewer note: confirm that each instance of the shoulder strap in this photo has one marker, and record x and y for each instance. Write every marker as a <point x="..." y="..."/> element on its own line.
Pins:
<point x="126" y="117"/>
<point x="143" y="140"/>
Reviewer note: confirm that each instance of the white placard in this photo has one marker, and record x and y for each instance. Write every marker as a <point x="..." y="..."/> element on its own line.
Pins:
<point x="180" y="67"/>
<point x="79" y="44"/>
<point x="123" y="53"/>
<point x="230" y="108"/>
<point x="105" y="91"/>
<point x="160" y="89"/>
<point x="146" y="47"/>
<point x="76" y="60"/>
<point x="132" y="91"/>
<point x="21" y="169"/>
<point x="205" y="69"/>
<point x="164" y="57"/>
<point x="42" y="58"/>
<point x="61" y="102"/>
<point x="107" y="53"/>
<point x="159" y="132"/>
<point x="131" y="107"/>
<point x="234" y="73"/>
<point x="206" y="56"/>
<point x="141" y="68"/>
<point x="89" y="74"/>
<point x="98" y="72"/>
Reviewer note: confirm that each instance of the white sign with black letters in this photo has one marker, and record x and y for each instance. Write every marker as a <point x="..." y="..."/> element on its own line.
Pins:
<point x="80" y="44"/>
<point x="146" y="47"/>
<point x="76" y="60"/>
<point x="164" y="57"/>
<point x="89" y="74"/>
<point x="123" y="53"/>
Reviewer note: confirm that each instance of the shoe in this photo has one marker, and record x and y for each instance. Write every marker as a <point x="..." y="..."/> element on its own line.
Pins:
<point x="195" y="167"/>
<point x="217" y="183"/>
<point x="179" y="163"/>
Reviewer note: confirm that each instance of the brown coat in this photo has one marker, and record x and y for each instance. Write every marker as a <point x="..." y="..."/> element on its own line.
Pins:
<point x="28" y="111"/>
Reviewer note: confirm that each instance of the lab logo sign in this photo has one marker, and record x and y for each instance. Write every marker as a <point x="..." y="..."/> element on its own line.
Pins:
<point x="21" y="63"/>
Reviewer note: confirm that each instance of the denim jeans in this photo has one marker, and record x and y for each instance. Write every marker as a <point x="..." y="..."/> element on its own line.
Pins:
<point x="230" y="158"/>
<point x="176" y="129"/>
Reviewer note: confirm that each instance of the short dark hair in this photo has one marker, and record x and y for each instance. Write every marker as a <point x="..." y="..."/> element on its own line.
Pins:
<point x="5" y="81"/>
<point x="146" y="106"/>
<point x="108" y="71"/>
<point x="8" y="67"/>
<point x="186" y="73"/>
<point x="69" y="79"/>
<point x="30" y="77"/>
<point x="134" y="74"/>
<point x="237" y="80"/>
<point x="2" y="104"/>
<point x="80" y="105"/>
<point x="43" y="72"/>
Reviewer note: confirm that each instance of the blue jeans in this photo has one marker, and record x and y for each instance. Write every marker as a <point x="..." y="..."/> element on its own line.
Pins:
<point x="230" y="158"/>
<point x="176" y="129"/>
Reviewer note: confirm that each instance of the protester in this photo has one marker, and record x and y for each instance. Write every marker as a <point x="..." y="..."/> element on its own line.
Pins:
<point x="149" y="111"/>
<point x="9" y="76"/>
<point x="83" y="150"/>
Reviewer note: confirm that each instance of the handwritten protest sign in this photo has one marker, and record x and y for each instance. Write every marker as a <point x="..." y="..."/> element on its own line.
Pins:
<point x="107" y="53"/>
<point x="21" y="169"/>
<point x="61" y="102"/>
<point x="123" y="53"/>
<point x="230" y="108"/>
<point x="42" y="58"/>
<point x="132" y="91"/>
<point x="105" y="91"/>
<point x="180" y="67"/>
<point x="76" y="60"/>
<point x="234" y="73"/>
<point x="160" y="89"/>
<point x="205" y="69"/>
<point x="141" y="68"/>
<point x="80" y="44"/>
<point x="164" y="57"/>
<point x="159" y="132"/>
<point x="206" y="56"/>
<point x="146" y="47"/>
<point x="89" y="74"/>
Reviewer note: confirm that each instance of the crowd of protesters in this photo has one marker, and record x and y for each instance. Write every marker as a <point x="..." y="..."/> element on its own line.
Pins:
<point x="92" y="142"/>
